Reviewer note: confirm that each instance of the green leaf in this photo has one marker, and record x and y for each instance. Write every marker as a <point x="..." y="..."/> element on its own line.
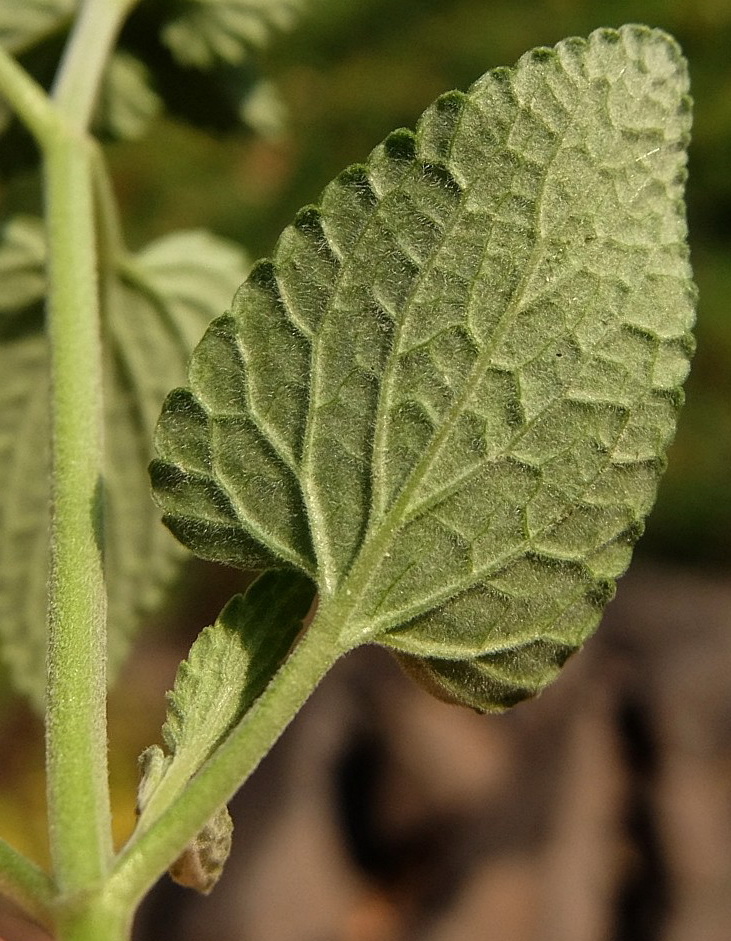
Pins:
<point x="155" y="311"/>
<point x="22" y="262"/>
<point x="24" y="496"/>
<point x="164" y="297"/>
<point x="127" y="104"/>
<point x="207" y="32"/>
<point x="24" y="24"/>
<point x="263" y="110"/>
<point x="24" y="453"/>
<point x="228" y="667"/>
<point x="230" y="663"/>
<point x="449" y="395"/>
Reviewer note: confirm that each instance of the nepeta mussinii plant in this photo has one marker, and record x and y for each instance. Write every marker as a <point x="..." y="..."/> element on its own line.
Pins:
<point x="442" y="406"/>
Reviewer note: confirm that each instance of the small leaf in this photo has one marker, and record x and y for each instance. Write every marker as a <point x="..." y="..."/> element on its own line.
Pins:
<point x="127" y="104"/>
<point x="263" y="110"/>
<point x="206" y="32"/>
<point x="22" y="262"/>
<point x="155" y="311"/>
<point x="449" y="395"/>
<point x="228" y="667"/>
<point x="230" y="663"/>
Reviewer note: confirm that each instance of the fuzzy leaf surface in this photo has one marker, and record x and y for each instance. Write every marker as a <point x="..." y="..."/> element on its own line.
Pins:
<point x="449" y="394"/>
<point x="155" y="309"/>
<point x="227" y="668"/>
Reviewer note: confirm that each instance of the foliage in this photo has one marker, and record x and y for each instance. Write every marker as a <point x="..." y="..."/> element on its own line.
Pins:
<point x="444" y="403"/>
<point x="449" y="394"/>
<point x="227" y="668"/>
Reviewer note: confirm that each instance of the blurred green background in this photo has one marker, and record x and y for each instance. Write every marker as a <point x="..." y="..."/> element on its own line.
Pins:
<point x="347" y="74"/>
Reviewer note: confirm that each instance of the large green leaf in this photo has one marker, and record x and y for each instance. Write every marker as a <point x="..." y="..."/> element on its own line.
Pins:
<point x="156" y="309"/>
<point x="449" y="395"/>
<point x="23" y="453"/>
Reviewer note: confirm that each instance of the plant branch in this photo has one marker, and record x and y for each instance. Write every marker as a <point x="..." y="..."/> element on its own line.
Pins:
<point x="26" y="97"/>
<point x="82" y="66"/>
<point x="27" y="885"/>
<point x="150" y="853"/>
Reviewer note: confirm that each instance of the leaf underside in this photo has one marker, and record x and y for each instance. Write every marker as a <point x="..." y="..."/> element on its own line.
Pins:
<point x="448" y="396"/>
<point x="155" y="310"/>
<point x="227" y="668"/>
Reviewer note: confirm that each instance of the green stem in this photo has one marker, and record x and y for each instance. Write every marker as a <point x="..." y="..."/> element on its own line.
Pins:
<point x="78" y="795"/>
<point x="95" y="918"/>
<point x="26" y="97"/>
<point x="27" y="885"/>
<point x="79" y="815"/>
<point x="85" y="58"/>
<point x="151" y="852"/>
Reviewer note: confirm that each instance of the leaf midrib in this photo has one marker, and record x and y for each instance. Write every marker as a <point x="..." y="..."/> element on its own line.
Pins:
<point x="376" y="544"/>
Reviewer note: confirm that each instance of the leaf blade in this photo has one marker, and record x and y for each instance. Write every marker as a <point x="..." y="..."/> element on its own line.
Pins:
<point x="228" y="667"/>
<point x="469" y="357"/>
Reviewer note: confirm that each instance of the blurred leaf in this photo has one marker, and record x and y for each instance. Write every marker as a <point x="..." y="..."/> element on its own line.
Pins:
<point x="263" y="110"/>
<point x="23" y="23"/>
<point x="22" y="262"/>
<point x="127" y="103"/>
<point x="206" y="32"/>
<point x="155" y="311"/>
<point x="449" y="396"/>
<point x="24" y="513"/>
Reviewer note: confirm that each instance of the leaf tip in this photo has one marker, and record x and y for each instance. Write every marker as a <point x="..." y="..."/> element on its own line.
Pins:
<point x="264" y="275"/>
<point x="401" y="145"/>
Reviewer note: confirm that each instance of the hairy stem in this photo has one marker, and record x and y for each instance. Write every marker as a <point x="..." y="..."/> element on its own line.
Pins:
<point x="97" y="918"/>
<point x="78" y="794"/>
<point x="79" y="816"/>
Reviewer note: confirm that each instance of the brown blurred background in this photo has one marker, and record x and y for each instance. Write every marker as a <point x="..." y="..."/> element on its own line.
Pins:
<point x="602" y="810"/>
